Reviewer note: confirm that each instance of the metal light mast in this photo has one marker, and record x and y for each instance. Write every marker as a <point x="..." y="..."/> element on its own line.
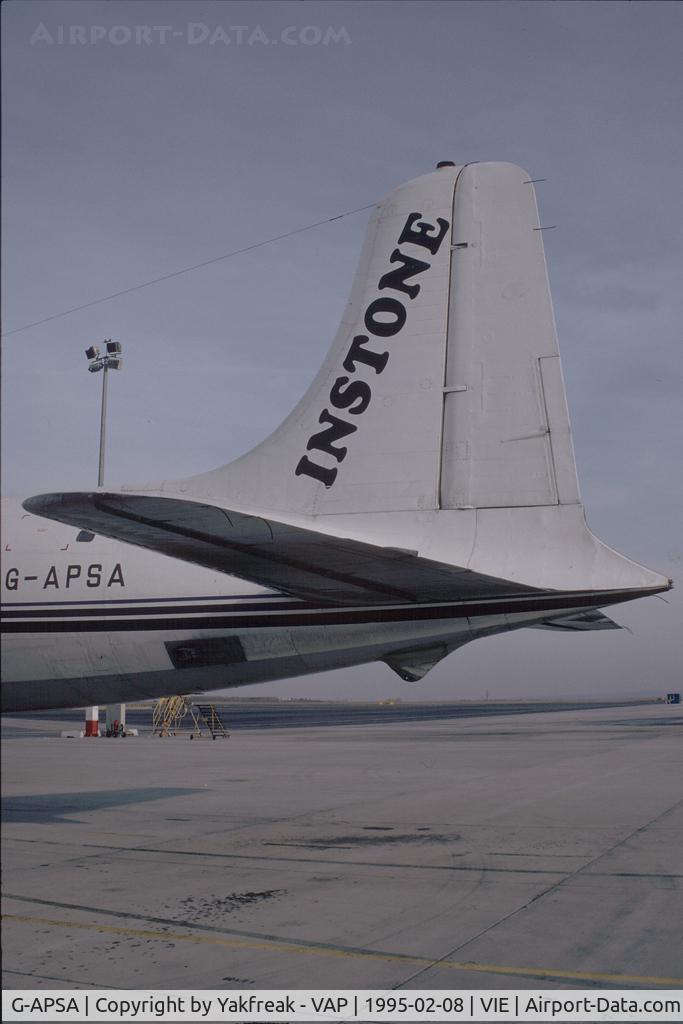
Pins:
<point x="111" y="360"/>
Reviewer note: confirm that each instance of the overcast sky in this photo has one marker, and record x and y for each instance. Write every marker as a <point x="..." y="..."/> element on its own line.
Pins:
<point x="141" y="138"/>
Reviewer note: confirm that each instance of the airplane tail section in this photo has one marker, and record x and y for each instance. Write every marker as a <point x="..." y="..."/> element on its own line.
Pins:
<point x="422" y="493"/>
<point x="443" y="387"/>
<point x="438" y="425"/>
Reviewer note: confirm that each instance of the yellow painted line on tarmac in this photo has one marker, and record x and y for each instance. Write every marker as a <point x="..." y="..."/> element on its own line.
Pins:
<point x="274" y="946"/>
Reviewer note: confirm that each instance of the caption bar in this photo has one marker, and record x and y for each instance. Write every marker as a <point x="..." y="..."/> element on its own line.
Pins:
<point x="287" y="1006"/>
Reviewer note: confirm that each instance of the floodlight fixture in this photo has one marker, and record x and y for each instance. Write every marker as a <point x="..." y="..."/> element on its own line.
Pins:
<point x="114" y="348"/>
<point x="92" y="352"/>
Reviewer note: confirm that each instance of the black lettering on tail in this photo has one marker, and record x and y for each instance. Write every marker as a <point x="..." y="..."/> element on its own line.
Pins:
<point x="324" y="440"/>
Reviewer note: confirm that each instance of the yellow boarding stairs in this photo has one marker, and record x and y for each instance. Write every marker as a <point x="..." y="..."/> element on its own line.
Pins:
<point x="170" y="712"/>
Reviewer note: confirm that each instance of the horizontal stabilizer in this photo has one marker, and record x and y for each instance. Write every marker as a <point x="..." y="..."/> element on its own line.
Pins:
<point x="579" y="623"/>
<point x="296" y="561"/>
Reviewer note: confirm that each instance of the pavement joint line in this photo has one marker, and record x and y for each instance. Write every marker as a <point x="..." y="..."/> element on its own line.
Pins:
<point x="393" y="865"/>
<point x="585" y="868"/>
<point x="570" y="876"/>
<point x="291" y="946"/>
<point x="52" y="977"/>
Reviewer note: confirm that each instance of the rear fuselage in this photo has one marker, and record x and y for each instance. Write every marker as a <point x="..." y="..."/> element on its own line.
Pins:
<point x="93" y="621"/>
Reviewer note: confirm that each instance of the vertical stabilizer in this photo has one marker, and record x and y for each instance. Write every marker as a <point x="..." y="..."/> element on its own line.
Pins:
<point x="440" y="407"/>
<point x="443" y="387"/>
<point x="437" y="426"/>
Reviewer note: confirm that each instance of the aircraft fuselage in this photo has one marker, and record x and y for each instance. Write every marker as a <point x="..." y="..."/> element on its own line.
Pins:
<point x="92" y="620"/>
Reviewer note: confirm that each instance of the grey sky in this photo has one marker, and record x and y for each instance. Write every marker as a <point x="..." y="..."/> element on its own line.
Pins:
<point x="125" y="161"/>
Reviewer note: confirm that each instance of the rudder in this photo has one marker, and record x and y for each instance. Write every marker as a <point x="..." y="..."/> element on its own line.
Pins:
<point x="507" y="440"/>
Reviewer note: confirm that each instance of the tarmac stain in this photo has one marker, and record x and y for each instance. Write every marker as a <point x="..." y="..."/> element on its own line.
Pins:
<point x="216" y="906"/>
<point x="351" y="841"/>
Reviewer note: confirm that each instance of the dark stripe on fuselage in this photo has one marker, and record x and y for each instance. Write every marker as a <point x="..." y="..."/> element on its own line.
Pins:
<point x="227" y="601"/>
<point x="80" y="612"/>
<point x="121" y="621"/>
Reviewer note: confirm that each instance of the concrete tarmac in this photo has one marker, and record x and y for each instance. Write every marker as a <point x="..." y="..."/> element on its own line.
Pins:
<point x="533" y="851"/>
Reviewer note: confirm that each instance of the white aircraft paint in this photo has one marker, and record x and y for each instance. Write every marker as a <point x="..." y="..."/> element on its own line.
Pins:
<point x="421" y="494"/>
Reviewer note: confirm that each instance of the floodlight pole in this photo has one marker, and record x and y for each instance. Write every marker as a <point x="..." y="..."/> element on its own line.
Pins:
<point x="116" y="713"/>
<point x="103" y="426"/>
